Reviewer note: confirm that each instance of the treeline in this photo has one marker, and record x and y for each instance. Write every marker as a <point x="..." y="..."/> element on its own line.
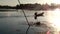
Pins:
<point x="31" y="6"/>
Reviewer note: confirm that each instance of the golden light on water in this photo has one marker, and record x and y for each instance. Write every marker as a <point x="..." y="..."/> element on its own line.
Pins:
<point x="54" y="18"/>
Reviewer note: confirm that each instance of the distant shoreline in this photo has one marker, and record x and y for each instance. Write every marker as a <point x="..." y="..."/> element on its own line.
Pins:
<point x="15" y="10"/>
<point x="7" y="10"/>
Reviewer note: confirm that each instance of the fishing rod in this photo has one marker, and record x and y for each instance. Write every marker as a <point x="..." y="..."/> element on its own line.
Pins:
<point x="25" y="18"/>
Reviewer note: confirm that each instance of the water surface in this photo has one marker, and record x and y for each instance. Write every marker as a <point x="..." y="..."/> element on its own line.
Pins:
<point x="14" y="22"/>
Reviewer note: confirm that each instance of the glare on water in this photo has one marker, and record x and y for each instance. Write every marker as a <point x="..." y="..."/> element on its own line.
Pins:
<point x="54" y="18"/>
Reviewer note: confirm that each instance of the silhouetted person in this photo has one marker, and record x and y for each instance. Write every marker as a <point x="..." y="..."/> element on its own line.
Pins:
<point x="37" y="15"/>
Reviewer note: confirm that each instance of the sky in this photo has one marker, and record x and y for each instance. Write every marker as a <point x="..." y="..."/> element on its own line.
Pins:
<point x="15" y="2"/>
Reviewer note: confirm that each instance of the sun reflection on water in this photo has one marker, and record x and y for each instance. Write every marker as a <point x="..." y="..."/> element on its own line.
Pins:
<point x="54" y="18"/>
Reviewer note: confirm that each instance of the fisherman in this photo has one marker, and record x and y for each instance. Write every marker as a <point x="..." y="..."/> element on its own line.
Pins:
<point x="37" y="15"/>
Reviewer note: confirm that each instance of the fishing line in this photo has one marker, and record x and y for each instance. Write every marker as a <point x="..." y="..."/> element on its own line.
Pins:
<point x="25" y="18"/>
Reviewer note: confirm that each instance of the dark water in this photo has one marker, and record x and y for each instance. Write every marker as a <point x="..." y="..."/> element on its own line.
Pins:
<point x="15" y="23"/>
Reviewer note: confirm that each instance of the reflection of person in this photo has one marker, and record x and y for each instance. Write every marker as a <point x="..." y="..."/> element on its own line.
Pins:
<point x="37" y="15"/>
<point x="37" y="23"/>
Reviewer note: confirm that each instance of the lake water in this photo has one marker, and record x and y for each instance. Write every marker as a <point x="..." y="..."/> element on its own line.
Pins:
<point x="14" y="22"/>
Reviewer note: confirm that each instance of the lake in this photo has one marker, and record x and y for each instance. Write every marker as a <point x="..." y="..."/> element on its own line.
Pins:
<point x="14" y="22"/>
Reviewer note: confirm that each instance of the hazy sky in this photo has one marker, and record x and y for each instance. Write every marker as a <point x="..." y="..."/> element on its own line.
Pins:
<point x="15" y="2"/>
